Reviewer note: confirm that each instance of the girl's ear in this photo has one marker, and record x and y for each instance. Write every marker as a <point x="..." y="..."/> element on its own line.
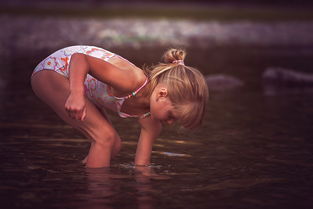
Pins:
<point x="163" y="92"/>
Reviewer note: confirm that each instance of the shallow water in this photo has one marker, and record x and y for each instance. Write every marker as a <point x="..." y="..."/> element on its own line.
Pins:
<point x="253" y="151"/>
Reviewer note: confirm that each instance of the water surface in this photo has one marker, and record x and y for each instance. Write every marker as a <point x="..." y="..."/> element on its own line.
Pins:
<point x="253" y="151"/>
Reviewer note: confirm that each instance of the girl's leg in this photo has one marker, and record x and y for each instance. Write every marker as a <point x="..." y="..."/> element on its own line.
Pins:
<point x="115" y="150"/>
<point x="53" y="89"/>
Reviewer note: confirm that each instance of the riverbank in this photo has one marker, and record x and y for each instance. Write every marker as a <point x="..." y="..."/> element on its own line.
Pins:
<point x="23" y="32"/>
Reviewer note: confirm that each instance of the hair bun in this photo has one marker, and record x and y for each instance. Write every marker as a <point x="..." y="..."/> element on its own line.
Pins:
<point x="172" y="55"/>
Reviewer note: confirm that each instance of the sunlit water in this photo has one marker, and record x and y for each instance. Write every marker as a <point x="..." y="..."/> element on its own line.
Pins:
<point x="253" y="151"/>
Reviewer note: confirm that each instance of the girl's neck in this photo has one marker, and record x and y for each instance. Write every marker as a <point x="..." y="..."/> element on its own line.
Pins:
<point x="138" y="104"/>
<point x="144" y="94"/>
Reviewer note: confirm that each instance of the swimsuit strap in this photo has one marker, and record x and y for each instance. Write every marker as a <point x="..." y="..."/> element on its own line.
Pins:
<point x="145" y="115"/>
<point x="134" y="92"/>
<point x="125" y="115"/>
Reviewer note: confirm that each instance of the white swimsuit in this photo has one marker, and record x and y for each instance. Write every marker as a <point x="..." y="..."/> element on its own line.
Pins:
<point x="97" y="91"/>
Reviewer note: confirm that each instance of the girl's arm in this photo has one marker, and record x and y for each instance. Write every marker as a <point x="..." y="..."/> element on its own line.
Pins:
<point x="150" y="130"/>
<point x="124" y="80"/>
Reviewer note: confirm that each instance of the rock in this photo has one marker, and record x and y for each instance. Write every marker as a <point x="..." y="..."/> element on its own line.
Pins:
<point x="278" y="76"/>
<point x="222" y="82"/>
<point x="271" y="90"/>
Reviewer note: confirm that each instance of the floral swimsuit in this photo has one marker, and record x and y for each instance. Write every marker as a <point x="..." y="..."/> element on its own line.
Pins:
<point x="97" y="91"/>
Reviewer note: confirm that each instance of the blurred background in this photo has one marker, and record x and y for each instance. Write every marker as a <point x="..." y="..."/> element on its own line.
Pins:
<point x="254" y="149"/>
<point x="233" y="36"/>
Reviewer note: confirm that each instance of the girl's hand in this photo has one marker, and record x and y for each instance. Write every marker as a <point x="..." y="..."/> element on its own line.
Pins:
<point x="75" y="106"/>
<point x="144" y="173"/>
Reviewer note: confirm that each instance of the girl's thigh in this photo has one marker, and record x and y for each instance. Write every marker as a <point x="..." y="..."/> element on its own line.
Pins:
<point x="53" y="89"/>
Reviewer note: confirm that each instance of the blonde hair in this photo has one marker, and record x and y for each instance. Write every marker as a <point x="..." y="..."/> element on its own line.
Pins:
<point x="187" y="88"/>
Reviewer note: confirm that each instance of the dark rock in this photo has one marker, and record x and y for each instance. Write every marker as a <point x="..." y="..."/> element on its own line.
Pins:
<point x="222" y="82"/>
<point x="285" y="77"/>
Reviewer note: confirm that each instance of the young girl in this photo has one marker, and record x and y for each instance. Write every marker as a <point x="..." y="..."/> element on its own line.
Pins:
<point x="80" y="82"/>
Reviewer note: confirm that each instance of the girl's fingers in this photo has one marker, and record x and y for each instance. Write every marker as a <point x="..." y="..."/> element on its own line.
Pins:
<point x="84" y="114"/>
<point x="72" y="114"/>
<point x="77" y="114"/>
<point x="80" y="115"/>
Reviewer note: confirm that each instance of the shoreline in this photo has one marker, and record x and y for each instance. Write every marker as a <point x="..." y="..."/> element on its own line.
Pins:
<point x="141" y="32"/>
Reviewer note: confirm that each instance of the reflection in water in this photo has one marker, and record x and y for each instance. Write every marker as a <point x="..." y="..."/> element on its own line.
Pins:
<point x="104" y="187"/>
<point x="144" y="197"/>
<point x="100" y="188"/>
<point x="253" y="151"/>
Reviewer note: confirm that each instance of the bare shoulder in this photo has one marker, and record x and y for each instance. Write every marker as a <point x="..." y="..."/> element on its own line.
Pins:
<point x="122" y="76"/>
<point x="125" y="64"/>
<point x="129" y="67"/>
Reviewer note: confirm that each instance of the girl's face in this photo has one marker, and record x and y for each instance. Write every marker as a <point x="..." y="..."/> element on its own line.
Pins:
<point x="161" y="108"/>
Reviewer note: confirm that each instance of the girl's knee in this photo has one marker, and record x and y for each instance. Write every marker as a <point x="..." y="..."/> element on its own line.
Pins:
<point x="105" y="137"/>
<point x="111" y="140"/>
